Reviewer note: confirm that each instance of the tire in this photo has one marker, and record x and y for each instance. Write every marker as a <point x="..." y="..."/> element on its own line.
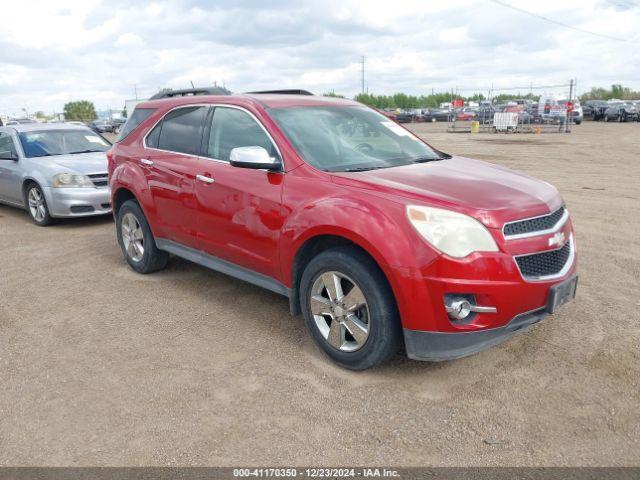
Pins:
<point x="578" y="122"/>
<point x="36" y="205"/>
<point x="136" y="240"/>
<point x="378" y="315"/>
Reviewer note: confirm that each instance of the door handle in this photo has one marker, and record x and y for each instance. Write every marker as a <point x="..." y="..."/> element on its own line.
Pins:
<point x="204" y="179"/>
<point x="146" y="161"/>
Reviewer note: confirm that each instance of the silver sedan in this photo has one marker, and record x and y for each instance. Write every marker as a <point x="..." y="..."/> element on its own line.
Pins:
<point x="54" y="171"/>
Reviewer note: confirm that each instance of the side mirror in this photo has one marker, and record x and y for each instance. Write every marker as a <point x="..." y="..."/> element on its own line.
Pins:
<point x="253" y="157"/>
<point x="8" y="155"/>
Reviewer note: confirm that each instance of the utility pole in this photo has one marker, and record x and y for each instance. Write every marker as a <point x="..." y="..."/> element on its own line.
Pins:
<point x="135" y="90"/>
<point x="362" y="80"/>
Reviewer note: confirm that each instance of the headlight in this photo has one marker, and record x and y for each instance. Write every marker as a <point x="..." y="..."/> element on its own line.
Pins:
<point x="450" y="232"/>
<point x="64" y="180"/>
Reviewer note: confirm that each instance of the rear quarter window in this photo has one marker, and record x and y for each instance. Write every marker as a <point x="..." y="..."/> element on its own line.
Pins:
<point x="182" y="130"/>
<point x="138" y="116"/>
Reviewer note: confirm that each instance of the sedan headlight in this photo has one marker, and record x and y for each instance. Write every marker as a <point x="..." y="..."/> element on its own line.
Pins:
<point x="452" y="233"/>
<point x="64" y="180"/>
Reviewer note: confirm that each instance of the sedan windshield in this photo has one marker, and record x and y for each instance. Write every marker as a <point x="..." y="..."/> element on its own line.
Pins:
<point x="347" y="139"/>
<point x="45" y="143"/>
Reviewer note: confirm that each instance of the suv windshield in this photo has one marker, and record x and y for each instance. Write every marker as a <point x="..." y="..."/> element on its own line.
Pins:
<point x="44" y="143"/>
<point x="343" y="139"/>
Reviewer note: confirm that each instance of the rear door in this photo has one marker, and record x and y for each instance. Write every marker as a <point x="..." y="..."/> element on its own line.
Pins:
<point x="10" y="185"/>
<point x="240" y="215"/>
<point x="171" y="166"/>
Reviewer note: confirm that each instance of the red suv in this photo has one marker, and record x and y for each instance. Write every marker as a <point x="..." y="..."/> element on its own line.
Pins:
<point x="379" y="239"/>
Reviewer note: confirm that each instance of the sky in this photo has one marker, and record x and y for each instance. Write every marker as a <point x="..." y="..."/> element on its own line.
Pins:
<point x="52" y="52"/>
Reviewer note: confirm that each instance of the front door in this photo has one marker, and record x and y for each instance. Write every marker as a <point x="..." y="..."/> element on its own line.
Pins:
<point x="240" y="215"/>
<point x="10" y="184"/>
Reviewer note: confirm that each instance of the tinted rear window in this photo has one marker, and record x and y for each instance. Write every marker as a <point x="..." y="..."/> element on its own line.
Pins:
<point x="138" y="116"/>
<point x="182" y="130"/>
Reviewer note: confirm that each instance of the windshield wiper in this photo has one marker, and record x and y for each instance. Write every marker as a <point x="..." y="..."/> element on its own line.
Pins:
<point x="363" y="169"/>
<point x="429" y="159"/>
<point x="85" y="151"/>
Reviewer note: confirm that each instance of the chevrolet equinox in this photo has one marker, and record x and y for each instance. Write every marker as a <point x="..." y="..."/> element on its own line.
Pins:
<point x="381" y="241"/>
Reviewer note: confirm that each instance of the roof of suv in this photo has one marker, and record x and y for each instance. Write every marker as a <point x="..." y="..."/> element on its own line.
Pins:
<point x="265" y="100"/>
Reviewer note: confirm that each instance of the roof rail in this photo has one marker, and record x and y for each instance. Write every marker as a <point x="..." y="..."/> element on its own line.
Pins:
<point x="169" y="93"/>
<point x="293" y="91"/>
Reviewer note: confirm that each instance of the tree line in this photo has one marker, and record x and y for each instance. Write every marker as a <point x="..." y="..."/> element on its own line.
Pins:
<point x="84" y="110"/>
<point x="404" y="101"/>
<point x="616" y="91"/>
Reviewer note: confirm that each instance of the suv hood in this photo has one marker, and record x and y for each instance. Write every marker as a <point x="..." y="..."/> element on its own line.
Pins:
<point x="490" y="193"/>
<point x="80" y="163"/>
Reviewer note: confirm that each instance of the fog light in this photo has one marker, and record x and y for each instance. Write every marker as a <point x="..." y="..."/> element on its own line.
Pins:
<point x="459" y="309"/>
<point x="462" y="306"/>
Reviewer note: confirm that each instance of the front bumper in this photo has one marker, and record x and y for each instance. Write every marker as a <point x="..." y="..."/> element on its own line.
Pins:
<point x="78" y="202"/>
<point x="441" y="346"/>
<point x="516" y="300"/>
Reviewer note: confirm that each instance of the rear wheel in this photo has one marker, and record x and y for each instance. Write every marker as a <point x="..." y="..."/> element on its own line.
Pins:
<point x="37" y="205"/>
<point x="136" y="240"/>
<point x="349" y="308"/>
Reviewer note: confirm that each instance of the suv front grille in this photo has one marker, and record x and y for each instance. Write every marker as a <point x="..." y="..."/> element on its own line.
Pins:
<point x="532" y="225"/>
<point x="100" y="179"/>
<point x="537" y="265"/>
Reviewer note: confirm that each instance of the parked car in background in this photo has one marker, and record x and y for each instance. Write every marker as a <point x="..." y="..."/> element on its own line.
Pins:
<point x="620" y="112"/>
<point x="117" y="124"/>
<point x="20" y="121"/>
<point x="101" y="126"/>
<point x="405" y="117"/>
<point x="438" y="115"/>
<point x="54" y="171"/>
<point x="381" y="241"/>
<point x="594" y="109"/>
<point x="465" y="114"/>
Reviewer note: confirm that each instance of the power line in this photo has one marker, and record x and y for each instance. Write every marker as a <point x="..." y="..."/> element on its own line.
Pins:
<point x="556" y="22"/>
<point x="528" y="87"/>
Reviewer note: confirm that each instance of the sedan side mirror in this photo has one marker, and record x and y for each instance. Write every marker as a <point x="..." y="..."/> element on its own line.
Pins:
<point x="253" y="157"/>
<point x="8" y="155"/>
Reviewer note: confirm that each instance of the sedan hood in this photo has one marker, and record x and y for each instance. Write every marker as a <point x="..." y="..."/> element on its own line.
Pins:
<point x="490" y="193"/>
<point x="81" y="163"/>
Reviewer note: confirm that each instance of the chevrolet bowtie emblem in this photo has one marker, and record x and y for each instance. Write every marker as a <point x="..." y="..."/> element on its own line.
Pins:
<point x="557" y="239"/>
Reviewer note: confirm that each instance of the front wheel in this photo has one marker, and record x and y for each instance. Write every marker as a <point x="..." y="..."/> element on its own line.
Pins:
<point x="349" y="308"/>
<point x="37" y="206"/>
<point x="136" y="240"/>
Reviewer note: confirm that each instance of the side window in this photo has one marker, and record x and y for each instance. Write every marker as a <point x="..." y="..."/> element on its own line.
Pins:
<point x="233" y="128"/>
<point x="182" y="130"/>
<point x="138" y="116"/>
<point x="154" y="136"/>
<point x="7" y="147"/>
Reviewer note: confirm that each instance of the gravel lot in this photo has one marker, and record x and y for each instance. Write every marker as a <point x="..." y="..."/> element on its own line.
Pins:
<point x="101" y="366"/>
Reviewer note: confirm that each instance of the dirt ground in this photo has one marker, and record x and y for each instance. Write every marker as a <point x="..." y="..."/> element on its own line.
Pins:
<point x="101" y="366"/>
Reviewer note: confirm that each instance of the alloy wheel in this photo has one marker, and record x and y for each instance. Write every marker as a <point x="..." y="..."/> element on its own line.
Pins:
<point x="340" y="311"/>
<point x="37" y="206"/>
<point x="132" y="237"/>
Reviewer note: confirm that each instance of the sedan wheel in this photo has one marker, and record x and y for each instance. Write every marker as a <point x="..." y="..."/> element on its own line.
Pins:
<point x="132" y="237"/>
<point x="37" y="205"/>
<point x="340" y="311"/>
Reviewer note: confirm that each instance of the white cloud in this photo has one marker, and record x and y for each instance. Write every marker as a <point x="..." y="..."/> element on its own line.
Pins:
<point x="52" y="52"/>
